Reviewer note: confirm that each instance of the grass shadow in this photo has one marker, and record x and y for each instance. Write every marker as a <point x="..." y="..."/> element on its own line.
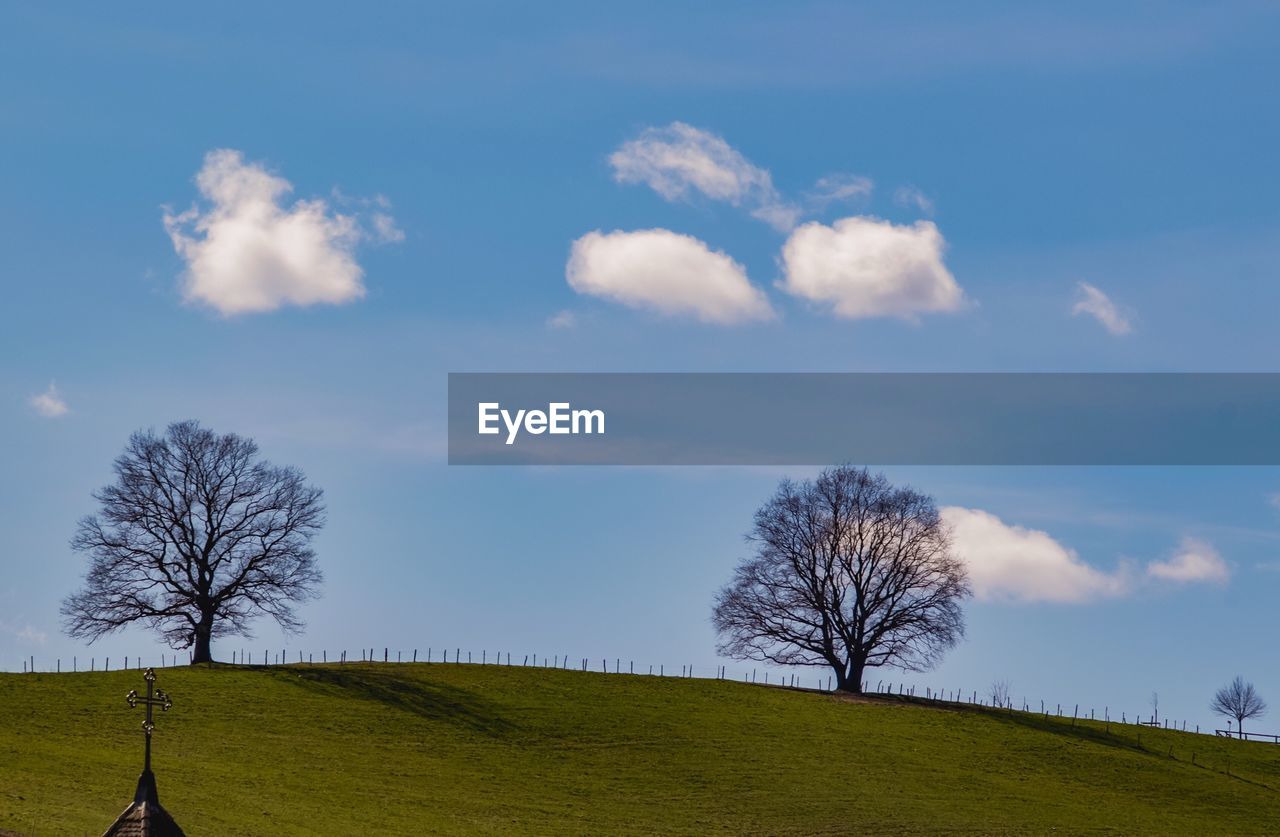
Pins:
<point x="432" y="701"/>
<point x="1090" y="732"/>
<point x="1052" y="724"/>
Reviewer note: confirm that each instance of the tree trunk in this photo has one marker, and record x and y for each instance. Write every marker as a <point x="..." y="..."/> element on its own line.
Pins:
<point x="202" y="651"/>
<point x="849" y="678"/>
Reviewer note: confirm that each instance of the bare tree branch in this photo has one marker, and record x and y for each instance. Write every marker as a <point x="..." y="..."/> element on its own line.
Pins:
<point x="848" y="572"/>
<point x="1239" y="700"/>
<point x="194" y="539"/>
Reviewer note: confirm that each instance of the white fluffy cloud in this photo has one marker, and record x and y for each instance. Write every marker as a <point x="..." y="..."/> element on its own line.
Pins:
<point x="1096" y="304"/>
<point x="1013" y="563"/>
<point x="860" y="266"/>
<point x="680" y="159"/>
<point x="247" y="252"/>
<point x="1195" y="560"/>
<point x="866" y="267"/>
<point x="49" y="403"/>
<point x="665" y="271"/>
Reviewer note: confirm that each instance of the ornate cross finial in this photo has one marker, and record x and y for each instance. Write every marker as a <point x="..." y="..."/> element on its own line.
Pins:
<point x="154" y="697"/>
<point x="145" y="815"/>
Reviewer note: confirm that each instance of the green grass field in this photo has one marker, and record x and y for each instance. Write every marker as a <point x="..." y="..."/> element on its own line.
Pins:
<point x="456" y="749"/>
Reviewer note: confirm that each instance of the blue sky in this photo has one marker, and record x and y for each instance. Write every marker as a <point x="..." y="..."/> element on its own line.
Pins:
<point x="1131" y="149"/>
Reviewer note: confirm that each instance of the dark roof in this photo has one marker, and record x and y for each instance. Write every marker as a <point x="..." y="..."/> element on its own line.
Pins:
<point x="144" y="817"/>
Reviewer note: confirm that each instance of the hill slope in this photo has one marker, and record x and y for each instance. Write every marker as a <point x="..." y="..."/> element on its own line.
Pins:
<point x="412" y="749"/>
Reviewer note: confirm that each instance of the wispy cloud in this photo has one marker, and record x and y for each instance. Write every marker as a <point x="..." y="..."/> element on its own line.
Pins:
<point x="385" y="229"/>
<point x="49" y="403"/>
<point x="247" y="252"/>
<point x="838" y="188"/>
<point x="815" y="46"/>
<point x="1093" y="302"/>
<point x="680" y="160"/>
<point x="912" y="198"/>
<point x="1195" y="560"/>
<point x="562" y="319"/>
<point x="25" y="633"/>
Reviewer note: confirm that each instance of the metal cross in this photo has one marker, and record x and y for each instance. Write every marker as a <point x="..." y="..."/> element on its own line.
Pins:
<point x="155" y="697"/>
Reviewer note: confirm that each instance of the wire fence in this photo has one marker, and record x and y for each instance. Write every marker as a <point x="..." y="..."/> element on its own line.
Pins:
<point x="761" y="676"/>
<point x="1045" y="709"/>
<point x="452" y="656"/>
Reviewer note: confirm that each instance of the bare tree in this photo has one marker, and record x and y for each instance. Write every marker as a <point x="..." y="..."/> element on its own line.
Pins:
<point x="1239" y="700"/>
<point x="1001" y="691"/>
<point x="195" y="538"/>
<point x="848" y="572"/>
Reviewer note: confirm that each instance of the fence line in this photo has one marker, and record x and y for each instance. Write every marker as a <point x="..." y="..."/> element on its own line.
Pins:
<point x="1247" y="736"/>
<point x="962" y="697"/>
<point x="245" y="656"/>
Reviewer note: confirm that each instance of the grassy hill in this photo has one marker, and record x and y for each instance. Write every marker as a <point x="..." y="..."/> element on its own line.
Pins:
<point x="414" y="749"/>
